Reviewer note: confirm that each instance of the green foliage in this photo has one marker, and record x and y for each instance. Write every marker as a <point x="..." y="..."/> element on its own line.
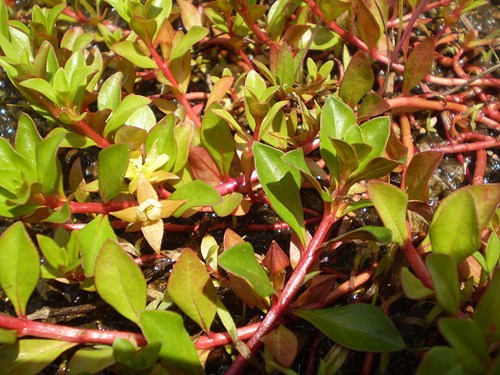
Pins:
<point x="360" y="327"/>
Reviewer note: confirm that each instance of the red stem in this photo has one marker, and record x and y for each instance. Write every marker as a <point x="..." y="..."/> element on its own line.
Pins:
<point x="481" y="160"/>
<point x="276" y="313"/>
<point x="178" y="95"/>
<point x="415" y="261"/>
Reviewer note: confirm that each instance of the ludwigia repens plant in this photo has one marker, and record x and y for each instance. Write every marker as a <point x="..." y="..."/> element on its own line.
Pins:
<point x="263" y="195"/>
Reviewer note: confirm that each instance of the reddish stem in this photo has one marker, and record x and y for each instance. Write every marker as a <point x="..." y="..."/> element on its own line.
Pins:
<point x="415" y="261"/>
<point x="481" y="159"/>
<point x="178" y="95"/>
<point x="276" y="312"/>
<point x="466" y="147"/>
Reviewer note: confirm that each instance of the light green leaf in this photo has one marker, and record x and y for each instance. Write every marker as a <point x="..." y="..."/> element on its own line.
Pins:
<point x="197" y="193"/>
<point x="41" y="86"/>
<point x="48" y="166"/>
<point x="458" y="238"/>
<point x="91" y="361"/>
<point x="132" y="53"/>
<point x="240" y="260"/>
<point x="110" y="93"/>
<point x="390" y="203"/>
<point x="31" y="356"/>
<point x="19" y="266"/>
<point x="125" y="109"/>
<point x="193" y="36"/>
<point x="191" y="289"/>
<point x="412" y="286"/>
<point x="281" y="182"/>
<point x="113" y="163"/>
<point x="360" y="327"/>
<point x="27" y="138"/>
<point x="90" y="240"/>
<point x="119" y="281"/>
<point x="177" y="349"/>
<point x="218" y="140"/>
<point x="444" y="274"/>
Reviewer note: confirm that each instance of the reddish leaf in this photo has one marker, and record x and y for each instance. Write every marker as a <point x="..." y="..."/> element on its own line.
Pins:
<point x="358" y="79"/>
<point x="231" y="239"/>
<point x="419" y="64"/>
<point x="203" y="166"/>
<point x="420" y="170"/>
<point x="368" y="27"/>
<point x="282" y="344"/>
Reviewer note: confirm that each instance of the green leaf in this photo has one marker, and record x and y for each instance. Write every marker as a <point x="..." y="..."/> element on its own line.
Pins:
<point x="412" y="286"/>
<point x="240" y="260"/>
<point x="110" y="93"/>
<point x="458" y="238"/>
<point x="420" y="170"/>
<point x="145" y="28"/>
<point x="419" y="64"/>
<point x="162" y="135"/>
<point x="390" y="203"/>
<point x="119" y="281"/>
<point x="91" y="361"/>
<point x="53" y="253"/>
<point x="217" y="138"/>
<point x="366" y="233"/>
<point x="360" y="327"/>
<point x="48" y="166"/>
<point x="444" y="274"/>
<point x="113" y="163"/>
<point x="27" y="138"/>
<point x="281" y="182"/>
<point x="19" y="266"/>
<point x="487" y="199"/>
<point x="132" y="53"/>
<point x="177" y="349"/>
<point x="270" y="116"/>
<point x="41" y="86"/>
<point x="376" y="168"/>
<point x="358" y="79"/>
<point x="375" y="133"/>
<point x="193" y="36"/>
<point x="228" y="204"/>
<point x="191" y="289"/>
<point x="466" y="338"/>
<point x="90" y="240"/>
<point x="197" y="193"/>
<point x="127" y="353"/>
<point x="183" y="135"/>
<point x="336" y="119"/>
<point x="492" y="253"/>
<point x="441" y="360"/>
<point x="486" y="314"/>
<point x="284" y="70"/>
<point x="125" y="109"/>
<point x="30" y="356"/>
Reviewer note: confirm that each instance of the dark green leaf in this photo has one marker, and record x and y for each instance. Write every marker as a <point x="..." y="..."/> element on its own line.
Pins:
<point x="197" y="193"/>
<point x="412" y="286"/>
<point x="91" y="361"/>
<point x="390" y="203"/>
<point x="441" y="360"/>
<point x="466" y="338"/>
<point x="419" y="171"/>
<point x="360" y="327"/>
<point x="138" y="359"/>
<point x="376" y="168"/>
<point x="177" y="349"/>
<point x="240" y="260"/>
<point x="358" y="79"/>
<point x="30" y="356"/>
<point x="455" y="229"/>
<point x="113" y="163"/>
<point x="443" y="270"/>
<point x="90" y="240"/>
<point x="19" y="266"/>
<point x="486" y="314"/>
<point x="191" y="289"/>
<point x="119" y="281"/>
<point x="419" y="64"/>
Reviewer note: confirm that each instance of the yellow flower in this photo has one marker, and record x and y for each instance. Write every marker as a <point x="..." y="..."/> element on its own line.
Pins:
<point x="149" y="213"/>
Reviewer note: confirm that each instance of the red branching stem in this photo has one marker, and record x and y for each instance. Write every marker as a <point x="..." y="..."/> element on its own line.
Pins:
<point x="178" y="95"/>
<point x="277" y="311"/>
<point x="415" y="261"/>
<point x="406" y="17"/>
<point x="409" y="103"/>
<point x="466" y="147"/>
<point x="368" y="364"/>
<point x="25" y="327"/>
<point x="198" y="95"/>
<point x="481" y="159"/>
<point x="244" y="12"/>
<point x="408" y="29"/>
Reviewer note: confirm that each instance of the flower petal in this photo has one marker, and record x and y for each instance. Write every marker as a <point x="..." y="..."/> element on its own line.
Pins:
<point x="168" y="207"/>
<point x="145" y="190"/>
<point x="153" y="233"/>
<point x="128" y="214"/>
